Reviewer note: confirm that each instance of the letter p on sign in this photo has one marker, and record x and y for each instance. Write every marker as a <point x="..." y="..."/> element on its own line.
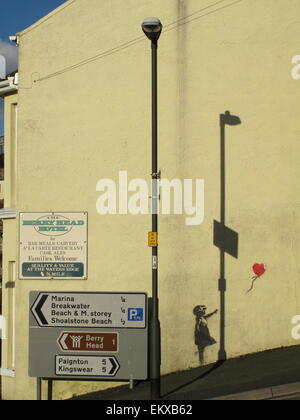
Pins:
<point x="135" y="314"/>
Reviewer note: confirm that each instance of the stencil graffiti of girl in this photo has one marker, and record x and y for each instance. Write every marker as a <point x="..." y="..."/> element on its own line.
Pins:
<point x="203" y="338"/>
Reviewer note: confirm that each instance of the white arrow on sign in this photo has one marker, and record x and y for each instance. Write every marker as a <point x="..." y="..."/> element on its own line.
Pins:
<point x="37" y="310"/>
<point x="87" y="366"/>
<point x="62" y="341"/>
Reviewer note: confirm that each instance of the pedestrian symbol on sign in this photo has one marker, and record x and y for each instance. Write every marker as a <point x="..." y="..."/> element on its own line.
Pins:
<point x="135" y="314"/>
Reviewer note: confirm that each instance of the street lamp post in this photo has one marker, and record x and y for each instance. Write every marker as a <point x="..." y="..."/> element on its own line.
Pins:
<point x="152" y="28"/>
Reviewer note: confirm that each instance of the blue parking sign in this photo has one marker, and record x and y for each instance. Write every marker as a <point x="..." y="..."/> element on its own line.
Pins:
<point x="135" y="314"/>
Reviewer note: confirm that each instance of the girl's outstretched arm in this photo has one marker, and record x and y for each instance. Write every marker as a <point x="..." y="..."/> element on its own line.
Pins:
<point x="212" y="314"/>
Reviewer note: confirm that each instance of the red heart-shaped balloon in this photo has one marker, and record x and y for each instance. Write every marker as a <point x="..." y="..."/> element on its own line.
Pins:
<point x="259" y="269"/>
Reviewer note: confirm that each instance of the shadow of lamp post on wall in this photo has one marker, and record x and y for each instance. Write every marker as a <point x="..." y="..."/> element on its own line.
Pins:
<point x="224" y="238"/>
<point x="152" y="28"/>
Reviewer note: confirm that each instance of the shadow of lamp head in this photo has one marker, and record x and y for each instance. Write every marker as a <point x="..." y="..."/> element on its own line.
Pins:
<point x="152" y="28"/>
<point x="228" y="119"/>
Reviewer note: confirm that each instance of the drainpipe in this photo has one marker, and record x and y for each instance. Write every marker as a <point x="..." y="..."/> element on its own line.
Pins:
<point x="9" y="85"/>
<point x="9" y="89"/>
<point x="4" y="84"/>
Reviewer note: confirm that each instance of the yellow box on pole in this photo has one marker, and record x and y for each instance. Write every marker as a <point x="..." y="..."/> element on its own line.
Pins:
<point x="152" y="239"/>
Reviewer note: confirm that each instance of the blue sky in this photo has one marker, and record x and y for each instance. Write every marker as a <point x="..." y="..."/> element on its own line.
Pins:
<point x="15" y="16"/>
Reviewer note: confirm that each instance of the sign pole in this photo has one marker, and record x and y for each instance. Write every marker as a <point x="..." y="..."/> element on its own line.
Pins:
<point x="152" y="28"/>
<point x="50" y="390"/>
<point x="154" y="326"/>
<point x="39" y="389"/>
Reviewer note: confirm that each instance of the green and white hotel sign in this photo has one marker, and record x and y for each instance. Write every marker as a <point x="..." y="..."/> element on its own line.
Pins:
<point x="53" y="246"/>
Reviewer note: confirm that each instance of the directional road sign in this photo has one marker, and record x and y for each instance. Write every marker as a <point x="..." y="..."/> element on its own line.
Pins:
<point x="90" y="310"/>
<point x="94" y="335"/>
<point x="86" y="366"/>
<point x="89" y="342"/>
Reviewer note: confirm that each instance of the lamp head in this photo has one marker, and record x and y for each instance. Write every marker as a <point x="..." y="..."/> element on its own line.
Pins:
<point x="229" y="119"/>
<point x="152" y="28"/>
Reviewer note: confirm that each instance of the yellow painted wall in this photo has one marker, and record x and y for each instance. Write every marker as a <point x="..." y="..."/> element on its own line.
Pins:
<point x="84" y="114"/>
